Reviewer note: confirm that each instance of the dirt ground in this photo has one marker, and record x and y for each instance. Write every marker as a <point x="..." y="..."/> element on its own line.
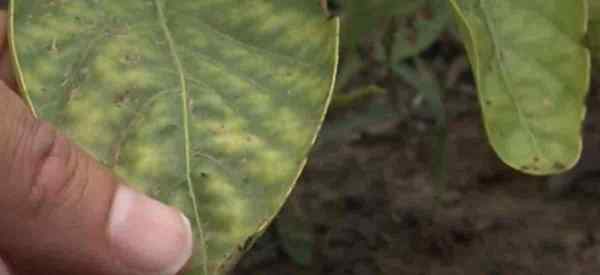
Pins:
<point x="366" y="203"/>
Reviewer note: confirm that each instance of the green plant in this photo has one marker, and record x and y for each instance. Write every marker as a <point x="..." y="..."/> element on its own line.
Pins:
<point x="212" y="106"/>
<point x="530" y="63"/>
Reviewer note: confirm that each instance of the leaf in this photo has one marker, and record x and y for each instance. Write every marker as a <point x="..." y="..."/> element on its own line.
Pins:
<point x="421" y="31"/>
<point x="533" y="74"/>
<point x="362" y="16"/>
<point x="424" y="80"/>
<point x="349" y="127"/>
<point x="210" y="106"/>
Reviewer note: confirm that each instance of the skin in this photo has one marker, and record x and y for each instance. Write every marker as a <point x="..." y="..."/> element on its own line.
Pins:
<point x="55" y="200"/>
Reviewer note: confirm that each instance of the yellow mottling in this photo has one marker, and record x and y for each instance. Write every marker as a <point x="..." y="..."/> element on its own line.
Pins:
<point x="547" y="102"/>
<point x="271" y="166"/>
<point x="147" y="159"/>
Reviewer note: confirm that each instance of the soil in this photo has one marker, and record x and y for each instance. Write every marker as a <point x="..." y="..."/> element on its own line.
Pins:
<point x="366" y="201"/>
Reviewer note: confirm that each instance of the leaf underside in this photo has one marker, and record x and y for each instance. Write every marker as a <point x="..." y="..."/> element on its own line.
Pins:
<point x="532" y="73"/>
<point x="210" y="106"/>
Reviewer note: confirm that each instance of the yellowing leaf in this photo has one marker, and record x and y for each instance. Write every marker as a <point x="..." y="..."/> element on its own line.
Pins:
<point x="532" y="72"/>
<point x="210" y="106"/>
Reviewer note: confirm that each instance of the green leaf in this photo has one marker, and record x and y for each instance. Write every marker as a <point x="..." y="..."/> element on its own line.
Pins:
<point x="532" y="72"/>
<point x="424" y="80"/>
<point x="362" y="16"/>
<point x="421" y="31"/>
<point x="210" y="106"/>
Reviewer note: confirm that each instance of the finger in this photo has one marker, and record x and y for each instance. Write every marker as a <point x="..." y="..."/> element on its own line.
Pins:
<point x="63" y="213"/>
<point x="6" y="69"/>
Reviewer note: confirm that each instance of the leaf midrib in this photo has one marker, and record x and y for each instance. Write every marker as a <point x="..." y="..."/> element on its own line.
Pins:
<point x="504" y="75"/>
<point x="186" y="126"/>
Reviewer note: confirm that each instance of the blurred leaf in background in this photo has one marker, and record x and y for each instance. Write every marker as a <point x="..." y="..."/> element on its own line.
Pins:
<point x="593" y="35"/>
<point x="428" y="88"/>
<point x="376" y="36"/>
<point x="417" y="33"/>
<point x="385" y="32"/>
<point x="295" y="234"/>
<point x="362" y="17"/>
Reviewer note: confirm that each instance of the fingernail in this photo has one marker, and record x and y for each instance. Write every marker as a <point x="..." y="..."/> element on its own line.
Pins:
<point x="147" y="235"/>
<point x="3" y="268"/>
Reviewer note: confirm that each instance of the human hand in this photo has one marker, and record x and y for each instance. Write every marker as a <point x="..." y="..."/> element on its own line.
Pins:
<point x="62" y="213"/>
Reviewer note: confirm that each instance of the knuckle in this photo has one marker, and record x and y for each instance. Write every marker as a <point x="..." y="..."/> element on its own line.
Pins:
<point x="56" y="171"/>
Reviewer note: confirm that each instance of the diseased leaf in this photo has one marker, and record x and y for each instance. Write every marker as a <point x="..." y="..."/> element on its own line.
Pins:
<point x="532" y="72"/>
<point x="210" y="106"/>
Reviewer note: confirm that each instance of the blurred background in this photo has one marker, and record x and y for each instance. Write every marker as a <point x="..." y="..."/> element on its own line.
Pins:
<point x="403" y="181"/>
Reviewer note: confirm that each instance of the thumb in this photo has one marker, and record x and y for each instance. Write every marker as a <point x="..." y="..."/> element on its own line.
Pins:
<point x="63" y="213"/>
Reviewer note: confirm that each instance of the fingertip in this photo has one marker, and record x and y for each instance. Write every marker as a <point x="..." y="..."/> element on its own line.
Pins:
<point x="148" y="236"/>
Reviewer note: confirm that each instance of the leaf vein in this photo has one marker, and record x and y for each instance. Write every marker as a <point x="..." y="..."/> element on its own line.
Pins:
<point x="186" y="125"/>
<point x="506" y="78"/>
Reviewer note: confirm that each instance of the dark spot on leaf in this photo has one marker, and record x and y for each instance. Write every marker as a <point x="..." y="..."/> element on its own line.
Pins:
<point x="249" y="242"/>
<point x="204" y="174"/>
<point x="559" y="165"/>
<point x="536" y="159"/>
<point x="488" y="102"/>
<point x="122" y="98"/>
<point x="168" y="130"/>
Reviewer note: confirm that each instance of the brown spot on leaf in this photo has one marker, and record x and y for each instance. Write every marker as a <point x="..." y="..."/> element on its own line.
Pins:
<point x="559" y="165"/>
